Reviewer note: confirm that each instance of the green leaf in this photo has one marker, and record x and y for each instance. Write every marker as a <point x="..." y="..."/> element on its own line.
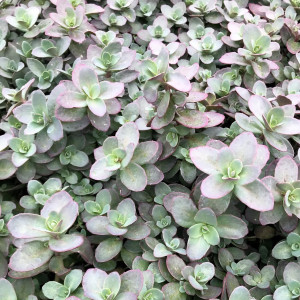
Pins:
<point x="97" y="106"/>
<point x="171" y="292"/>
<point x="251" y="34"/>
<point x="34" y="186"/>
<point x="183" y="210"/>
<point x="79" y="159"/>
<point x="108" y="249"/>
<point x="7" y="291"/>
<point x="275" y="116"/>
<point x="249" y="123"/>
<point x="86" y="77"/>
<point x="282" y="251"/>
<point x="207" y="216"/>
<point x="197" y="248"/>
<point x="51" y="288"/>
<point x="282" y="293"/>
<point x="261" y="69"/>
<point x="127" y="134"/>
<point x="207" y="271"/>
<point x="134" y="177"/>
<point x="35" y="66"/>
<point x="291" y="273"/>
<point x="7" y="169"/>
<point x="212" y="236"/>
<point x="154" y="294"/>
<point x="73" y="280"/>
<point x="240" y="293"/>
<point x="231" y="227"/>
<point x="161" y="250"/>
<point x="39" y="102"/>
<point x="144" y="152"/>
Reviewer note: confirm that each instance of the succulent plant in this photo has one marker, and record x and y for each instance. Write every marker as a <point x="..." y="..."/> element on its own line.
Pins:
<point x="149" y="150"/>
<point x="232" y="170"/>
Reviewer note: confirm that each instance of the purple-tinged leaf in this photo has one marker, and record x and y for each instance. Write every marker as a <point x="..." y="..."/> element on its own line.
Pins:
<point x="233" y="58"/>
<point x="255" y="195"/>
<point x="182" y="209"/>
<point x="144" y="152"/>
<point x="27" y="226"/>
<point x="214" y="119"/>
<point x="66" y="243"/>
<point x="30" y="256"/>
<point x="215" y="187"/>
<point x="259" y="106"/>
<point x="175" y="265"/>
<point x="128" y="134"/>
<point x="154" y="174"/>
<point x="286" y="170"/>
<point x="192" y="118"/>
<point x="137" y="231"/>
<point x="109" y="90"/>
<point x="132" y="281"/>
<point x="70" y="99"/>
<point x="289" y="126"/>
<point x="205" y="159"/>
<point x="63" y="204"/>
<point x="244" y="141"/>
<point x="92" y="282"/>
<point x="171" y="291"/>
<point x="97" y="225"/>
<point x="178" y="82"/>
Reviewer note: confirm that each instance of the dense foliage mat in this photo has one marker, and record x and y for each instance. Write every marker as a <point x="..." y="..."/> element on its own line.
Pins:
<point x="149" y="150"/>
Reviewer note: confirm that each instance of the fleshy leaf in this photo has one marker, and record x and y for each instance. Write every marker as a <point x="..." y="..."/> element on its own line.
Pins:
<point x="30" y="256"/>
<point x="255" y="195"/>
<point x="108" y="249"/>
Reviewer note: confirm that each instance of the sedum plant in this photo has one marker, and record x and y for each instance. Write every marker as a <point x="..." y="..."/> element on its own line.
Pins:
<point x="86" y="92"/>
<point x="134" y="163"/>
<point x="97" y="284"/>
<point x="39" y="193"/>
<point x="69" y="21"/>
<point x="204" y="227"/>
<point x="149" y="150"/>
<point x="38" y="117"/>
<point x="290" y="288"/>
<point x="50" y="48"/>
<point x="24" y="17"/>
<point x="231" y="170"/>
<point x="198" y="276"/>
<point x="58" y="291"/>
<point x="257" y="52"/>
<point x="44" y="234"/>
<point x="273" y="122"/>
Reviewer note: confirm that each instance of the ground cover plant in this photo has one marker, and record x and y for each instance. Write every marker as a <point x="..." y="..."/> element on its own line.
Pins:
<point x="149" y="149"/>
